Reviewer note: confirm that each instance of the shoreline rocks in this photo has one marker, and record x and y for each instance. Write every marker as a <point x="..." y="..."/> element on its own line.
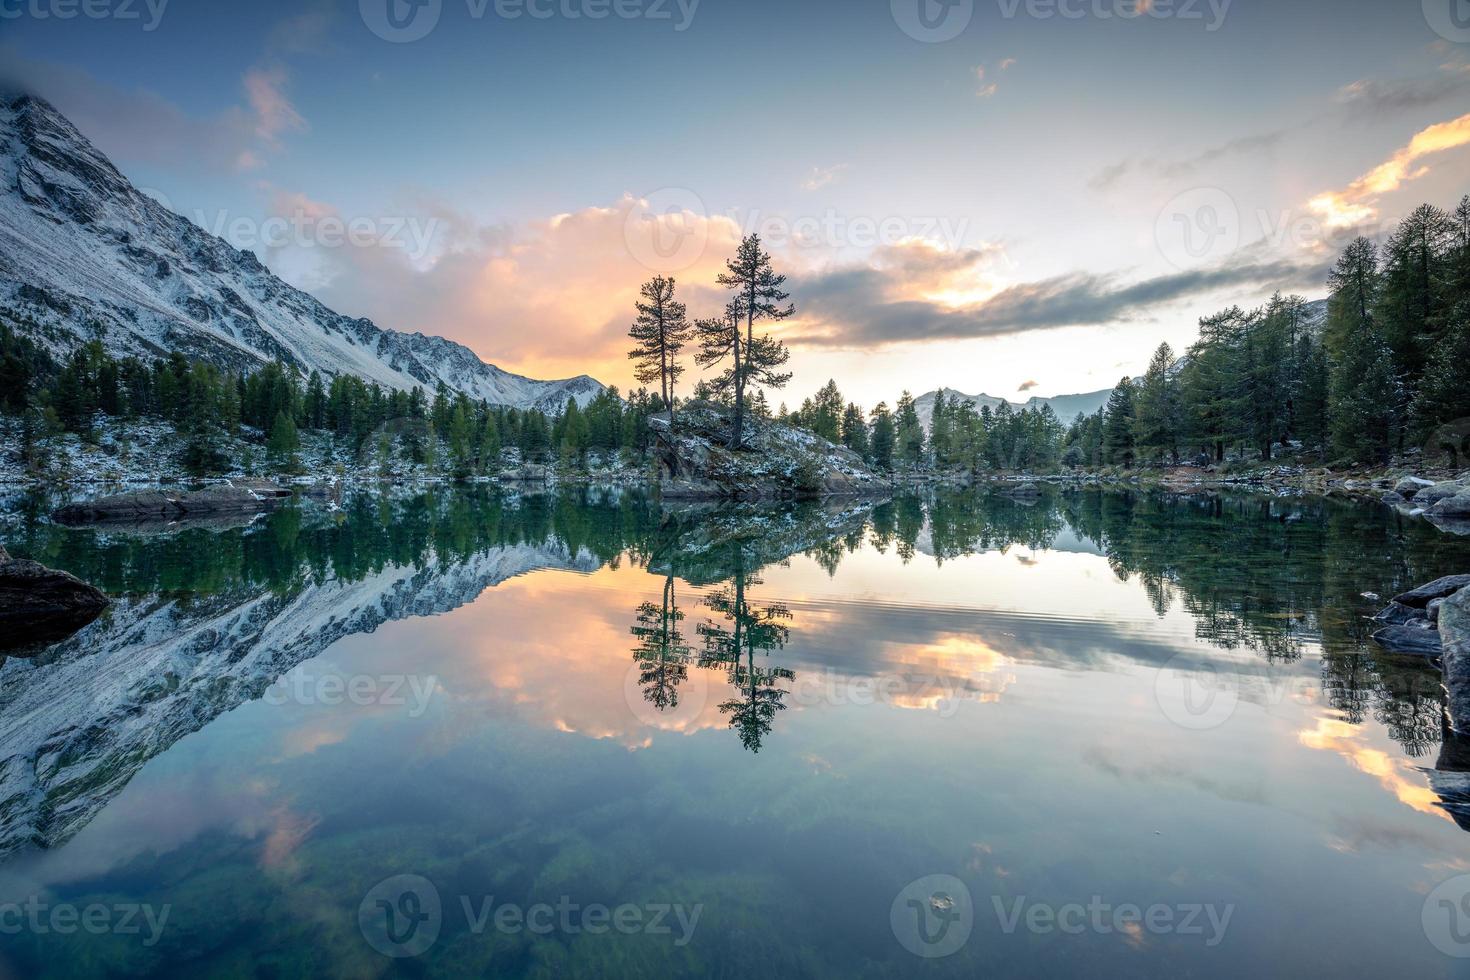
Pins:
<point x="41" y="605"/>
<point x="1411" y="621"/>
<point x="241" y="497"/>
<point x="1454" y="632"/>
<point x="774" y="461"/>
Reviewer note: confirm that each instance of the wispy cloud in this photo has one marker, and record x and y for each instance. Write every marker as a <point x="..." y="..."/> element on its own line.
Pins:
<point x="877" y="304"/>
<point x="274" y="115"/>
<point x="1358" y="201"/>
<point x="1188" y="166"/>
<point x="1379" y="97"/>
<point x="822" y="176"/>
<point x="986" y="90"/>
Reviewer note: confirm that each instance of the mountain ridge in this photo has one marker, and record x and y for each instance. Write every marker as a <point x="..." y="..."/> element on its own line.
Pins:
<point x="86" y="255"/>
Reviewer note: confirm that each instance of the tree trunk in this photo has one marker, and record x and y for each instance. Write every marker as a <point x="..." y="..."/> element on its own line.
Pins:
<point x="737" y="438"/>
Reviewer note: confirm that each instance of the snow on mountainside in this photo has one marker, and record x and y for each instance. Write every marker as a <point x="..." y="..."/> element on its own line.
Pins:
<point x="1067" y="407"/>
<point x="84" y="254"/>
<point x="78" y="724"/>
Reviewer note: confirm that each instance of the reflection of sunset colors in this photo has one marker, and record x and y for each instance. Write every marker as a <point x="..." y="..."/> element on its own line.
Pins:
<point x="1334" y="735"/>
<point x="566" y="671"/>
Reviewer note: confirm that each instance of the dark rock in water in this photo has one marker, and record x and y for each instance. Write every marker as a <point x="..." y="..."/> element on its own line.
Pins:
<point x="1454" y="632"/>
<point x="1021" y="491"/>
<point x="1410" y="486"/>
<point x="1457" y="506"/>
<point x="1397" y="614"/>
<point x="1438" y="589"/>
<point x="1429" y="496"/>
<point x="41" y="605"/>
<point x="165" y="505"/>
<point x="1393" y="497"/>
<point x="1409" y="639"/>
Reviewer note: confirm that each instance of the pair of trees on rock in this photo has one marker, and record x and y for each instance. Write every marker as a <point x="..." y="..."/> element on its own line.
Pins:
<point x="663" y="330"/>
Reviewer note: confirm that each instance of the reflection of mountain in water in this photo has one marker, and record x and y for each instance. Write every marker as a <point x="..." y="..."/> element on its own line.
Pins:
<point x="78" y="722"/>
<point x="208" y="620"/>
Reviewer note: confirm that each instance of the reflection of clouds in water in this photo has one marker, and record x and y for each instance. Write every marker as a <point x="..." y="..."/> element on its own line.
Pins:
<point x="1335" y="735"/>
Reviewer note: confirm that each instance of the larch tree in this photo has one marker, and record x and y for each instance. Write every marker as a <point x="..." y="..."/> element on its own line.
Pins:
<point x="660" y="332"/>
<point x="758" y="296"/>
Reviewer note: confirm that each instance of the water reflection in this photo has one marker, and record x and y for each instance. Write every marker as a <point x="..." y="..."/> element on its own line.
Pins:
<point x="209" y="619"/>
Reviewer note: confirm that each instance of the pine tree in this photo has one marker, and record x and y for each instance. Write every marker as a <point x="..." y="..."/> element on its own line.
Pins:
<point x="1157" y="417"/>
<point x="855" y="430"/>
<point x="1118" y="424"/>
<point x="910" y="447"/>
<point x="884" y="437"/>
<point x="660" y="333"/>
<point x="284" y="443"/>
<point x="757" y="296"/>
<point x="1444" y="394"/>
<point x="1310" y="402"/>
<point x="1362" y="391"/>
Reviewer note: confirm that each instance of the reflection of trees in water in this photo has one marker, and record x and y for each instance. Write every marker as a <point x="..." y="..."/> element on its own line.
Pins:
<point x="661" y="650"/>
<point x="729" y="645"/>
<point x="732" y="644"/>
<point x="1275" y="577"/>
<point x="285" y="550"/>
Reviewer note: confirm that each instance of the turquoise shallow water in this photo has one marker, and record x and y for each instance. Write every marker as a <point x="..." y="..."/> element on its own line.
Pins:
<point x="472" y="733"/>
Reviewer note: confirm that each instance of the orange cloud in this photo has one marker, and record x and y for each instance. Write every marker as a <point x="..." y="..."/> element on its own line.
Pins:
<point x="1357" y="202"/>
<point x="549" y="299"/>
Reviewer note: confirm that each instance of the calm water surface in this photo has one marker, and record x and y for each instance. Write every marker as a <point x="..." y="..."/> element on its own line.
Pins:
<point x="477" y="733"/>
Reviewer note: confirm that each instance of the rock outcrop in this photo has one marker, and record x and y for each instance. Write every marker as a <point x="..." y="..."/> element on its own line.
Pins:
<point x="165" y="505"/>
<point x="774" y="461"/>
<point x="1454" y="632"/>
<point x="41" y="605"/>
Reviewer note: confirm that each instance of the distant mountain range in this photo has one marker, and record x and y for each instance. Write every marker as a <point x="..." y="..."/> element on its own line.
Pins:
<point x="85" y="255"/>
<point x="1070" y="407"/>
<point x="1067" y="407"/>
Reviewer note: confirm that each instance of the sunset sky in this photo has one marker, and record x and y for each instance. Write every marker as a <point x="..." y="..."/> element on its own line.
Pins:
<point x="1026" y="207"/>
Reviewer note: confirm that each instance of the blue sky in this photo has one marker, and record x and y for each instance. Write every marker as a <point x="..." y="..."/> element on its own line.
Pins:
<point x="979" y="212"/>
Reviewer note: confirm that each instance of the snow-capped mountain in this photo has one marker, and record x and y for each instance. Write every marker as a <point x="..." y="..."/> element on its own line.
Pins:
<point x="77" y="724"/>
<point x="84" y="254"/>
<point x="1067" y="407"/>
